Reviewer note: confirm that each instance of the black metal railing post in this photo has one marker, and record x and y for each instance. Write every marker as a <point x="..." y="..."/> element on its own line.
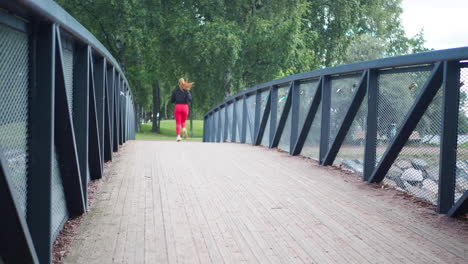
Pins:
<point x="244" y="119"/>
<point x="41" y="140"/>
<point x="295" y="107"/>
<point x="325" y="121"/>
<point x="371" y="123"/>
<point x="226" y="123"/>
<point x="218" y="128"/>
<point x="99" y="86"/>
<point x="108" y="113"/>
<point x="205" y="133"/>
<point x="257" y="117"/>
<point x="234" y="121"/>
<point x="115" y="114"/>
<point x="81" y="112"/>
<point x="273" y="114"/>
<point x="448" y="147"/>
<point x="94" y="157"/>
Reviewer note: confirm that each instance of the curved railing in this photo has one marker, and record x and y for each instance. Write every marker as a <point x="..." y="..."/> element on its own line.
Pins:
<point x="401" y="121"/>
<point x="65" y="107"/>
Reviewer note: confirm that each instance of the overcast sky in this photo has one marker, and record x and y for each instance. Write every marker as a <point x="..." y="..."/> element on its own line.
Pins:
<point x="445" y="22"/>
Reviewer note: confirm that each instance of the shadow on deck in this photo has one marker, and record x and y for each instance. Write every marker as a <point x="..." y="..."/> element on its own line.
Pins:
<point x="168" y="202"/>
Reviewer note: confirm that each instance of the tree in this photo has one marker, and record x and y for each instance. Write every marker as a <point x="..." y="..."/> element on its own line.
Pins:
<point x="226" y="46"/>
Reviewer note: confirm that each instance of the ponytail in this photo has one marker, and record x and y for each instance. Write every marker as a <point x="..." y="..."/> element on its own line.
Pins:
<point x="185" y="85"/>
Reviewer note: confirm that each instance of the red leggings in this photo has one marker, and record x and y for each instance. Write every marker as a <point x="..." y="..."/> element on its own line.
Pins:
<point x="181" y="112"/>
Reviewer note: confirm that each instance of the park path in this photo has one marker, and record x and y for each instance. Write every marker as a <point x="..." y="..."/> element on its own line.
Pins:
<point x="191" y="202"/>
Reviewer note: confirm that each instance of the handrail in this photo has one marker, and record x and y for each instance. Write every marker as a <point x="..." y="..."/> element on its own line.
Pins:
<point x="391" y="62"/>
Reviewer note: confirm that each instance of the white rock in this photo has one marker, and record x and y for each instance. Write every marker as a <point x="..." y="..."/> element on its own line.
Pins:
<point x="430" y="185"/>
<point x="462" y="184"/>
<point x="403" y="164"/>
<point x="412" y="175"/>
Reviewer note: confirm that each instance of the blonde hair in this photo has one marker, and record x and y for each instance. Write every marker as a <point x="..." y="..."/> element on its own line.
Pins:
<point x="185" y="85"/>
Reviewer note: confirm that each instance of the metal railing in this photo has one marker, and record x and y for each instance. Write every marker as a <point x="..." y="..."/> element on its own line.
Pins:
<point x="65" y="107"/>
<point x="401" y="121"/>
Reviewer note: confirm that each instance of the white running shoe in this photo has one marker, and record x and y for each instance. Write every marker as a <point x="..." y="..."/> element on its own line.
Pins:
<point x="184" y="130"/>
<point x="178" y="138"/>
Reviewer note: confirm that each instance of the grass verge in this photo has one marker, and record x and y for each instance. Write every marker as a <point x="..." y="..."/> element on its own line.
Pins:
<point x="168" y="131"/>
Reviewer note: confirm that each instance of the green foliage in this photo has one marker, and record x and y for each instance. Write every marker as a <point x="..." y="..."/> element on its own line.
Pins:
<point x="226" y="46"/>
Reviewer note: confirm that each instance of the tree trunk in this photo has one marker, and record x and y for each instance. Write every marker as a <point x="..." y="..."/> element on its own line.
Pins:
<point x="165" y="110"/>
<point x="156" y="107"/>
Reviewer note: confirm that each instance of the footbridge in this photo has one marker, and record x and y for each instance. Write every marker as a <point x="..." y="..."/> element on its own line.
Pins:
<point x="359" y="163"/>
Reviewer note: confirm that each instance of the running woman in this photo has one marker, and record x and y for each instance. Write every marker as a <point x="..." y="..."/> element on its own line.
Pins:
<point x="181" y="97"/>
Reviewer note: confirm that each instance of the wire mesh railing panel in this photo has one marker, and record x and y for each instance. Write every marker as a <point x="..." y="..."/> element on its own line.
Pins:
<point x="311" y="146"/>
<point x="67" y="51"/>
<point x="351" y="154"/>
<point x="251" y="103"/>
<point x="239" y="110"/>
<point x="266" y="134"/>
<point x="416" y="169"/>
<point x="59" y="210"/>
<point x="283" y="92"/>
<point x="263" y="102"/>
<point x="14" y="92"/>
<point x="229" y="110"/>
<point x="307" y="90"/>
<point x="397" y="92"/>
<point x="461" y="183"/>
<point x="285" y="140"/>
<point x="342" y="93"/>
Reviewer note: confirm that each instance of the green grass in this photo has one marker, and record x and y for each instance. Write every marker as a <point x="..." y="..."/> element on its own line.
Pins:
<point x="168" y="131"/>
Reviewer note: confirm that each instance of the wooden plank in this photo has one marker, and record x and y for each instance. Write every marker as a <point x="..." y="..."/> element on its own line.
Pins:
<point x="194" y="202"/>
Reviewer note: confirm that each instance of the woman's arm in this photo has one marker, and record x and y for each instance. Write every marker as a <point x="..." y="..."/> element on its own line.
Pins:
<point x="173" y="97"/>
<point x="189" y="97"/>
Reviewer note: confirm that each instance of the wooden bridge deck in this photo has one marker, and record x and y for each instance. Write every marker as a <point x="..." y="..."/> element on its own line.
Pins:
<point x="168" y="202"/>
